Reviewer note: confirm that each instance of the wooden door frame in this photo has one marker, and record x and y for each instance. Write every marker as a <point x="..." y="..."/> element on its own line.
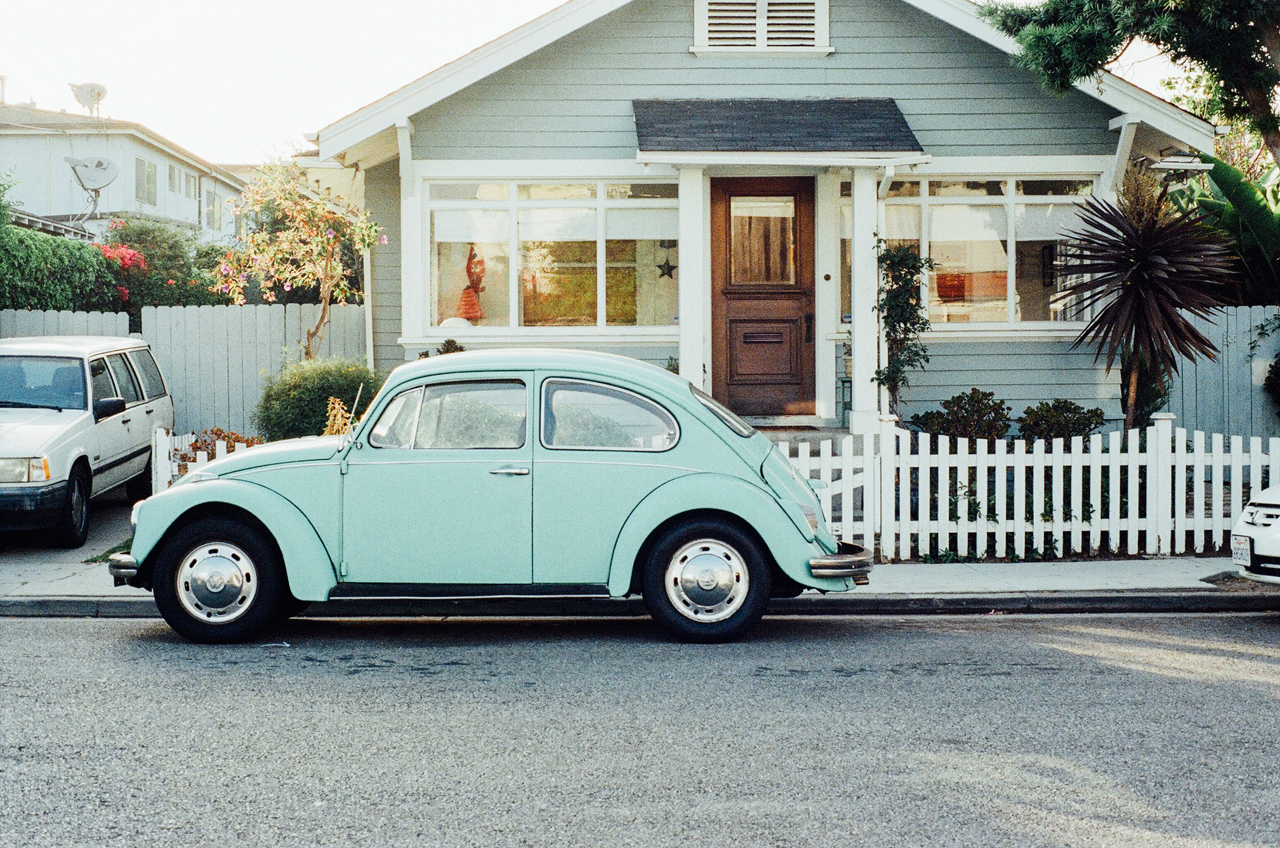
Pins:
<point x="723" y="189"/>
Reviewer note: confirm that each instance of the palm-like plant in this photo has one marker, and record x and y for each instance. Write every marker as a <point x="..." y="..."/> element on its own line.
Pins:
<point x="1148" y="270"/>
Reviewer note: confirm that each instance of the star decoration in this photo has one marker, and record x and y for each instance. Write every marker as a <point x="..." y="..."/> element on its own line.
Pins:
<point x="666" y="269"/>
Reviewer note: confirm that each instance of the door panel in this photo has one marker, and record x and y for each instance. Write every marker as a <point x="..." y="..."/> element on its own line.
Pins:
<point x="762" y="295"/>
<point x="112" y="432"/>
<point x="433" y="504"/>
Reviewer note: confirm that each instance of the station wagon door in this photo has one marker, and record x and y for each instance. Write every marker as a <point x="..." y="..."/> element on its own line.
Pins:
<point x="441" y="489"/>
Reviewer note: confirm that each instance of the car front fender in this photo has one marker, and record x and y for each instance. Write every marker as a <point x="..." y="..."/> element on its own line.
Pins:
<point x="307" y="562"/>
<point x="694" y="493"/>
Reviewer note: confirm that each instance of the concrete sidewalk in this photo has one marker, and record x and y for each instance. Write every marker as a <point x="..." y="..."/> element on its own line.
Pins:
<point x="38" y="580"/>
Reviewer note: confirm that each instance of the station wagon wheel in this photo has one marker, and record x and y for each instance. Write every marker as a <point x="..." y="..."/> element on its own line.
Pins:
<point x="218" y="580"/>
<point x="707" y="581"/>
<point x="73" y="524"/>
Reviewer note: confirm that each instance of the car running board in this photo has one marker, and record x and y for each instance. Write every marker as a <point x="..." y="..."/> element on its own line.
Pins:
<point x="463" y="591"/>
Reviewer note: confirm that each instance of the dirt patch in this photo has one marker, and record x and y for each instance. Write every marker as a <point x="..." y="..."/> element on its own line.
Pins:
<point x="1232" y="582"/>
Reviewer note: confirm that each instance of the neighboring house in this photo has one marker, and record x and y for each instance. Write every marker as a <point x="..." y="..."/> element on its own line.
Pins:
<point x="155" y="178"/>
<point x="705" y="180"/>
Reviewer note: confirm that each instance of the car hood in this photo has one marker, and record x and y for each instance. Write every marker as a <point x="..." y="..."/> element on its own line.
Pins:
<point x="1269" y="496"/>
<point x="307" y="449"/>
<point x="25" y="432"/>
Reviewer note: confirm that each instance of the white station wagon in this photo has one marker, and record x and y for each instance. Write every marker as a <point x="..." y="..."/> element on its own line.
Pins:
<point x="77" y="414"/>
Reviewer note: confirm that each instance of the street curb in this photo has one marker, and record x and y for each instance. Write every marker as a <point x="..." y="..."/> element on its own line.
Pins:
<point x="1172" y="601"/>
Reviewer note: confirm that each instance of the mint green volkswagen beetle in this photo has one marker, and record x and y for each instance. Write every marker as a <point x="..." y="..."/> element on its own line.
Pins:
<point x="515" y="473"/>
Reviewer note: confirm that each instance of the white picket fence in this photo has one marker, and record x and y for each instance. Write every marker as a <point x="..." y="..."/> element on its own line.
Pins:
<point x="167" y="450"/>
<point x="1159" y="492"/>
<point x="29" y="322"/>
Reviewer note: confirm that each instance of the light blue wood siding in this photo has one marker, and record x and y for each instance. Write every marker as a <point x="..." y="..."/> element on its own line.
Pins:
<point x="1020" y="373"/>
<point x="573" y="98"/>
<point x="382" y="190"/>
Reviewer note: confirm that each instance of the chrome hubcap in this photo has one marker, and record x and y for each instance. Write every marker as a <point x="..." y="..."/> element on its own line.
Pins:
<point x="707" y="581"/>
<point x="217" y="582"/>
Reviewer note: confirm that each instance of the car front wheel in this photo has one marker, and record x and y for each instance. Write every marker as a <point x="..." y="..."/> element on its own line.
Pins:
<point x="707" y="581"/>
<point x="218" y="580"/>
<point x="73" y="523"/>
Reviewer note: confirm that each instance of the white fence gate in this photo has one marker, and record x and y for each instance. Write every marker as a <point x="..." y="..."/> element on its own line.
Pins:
<point x="32" y="322"/>
<point x="216" y="358"/>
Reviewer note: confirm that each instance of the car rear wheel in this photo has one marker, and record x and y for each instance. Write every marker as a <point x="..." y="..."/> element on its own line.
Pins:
<point x="73" y="525"/>
<point x="218" y="580"/>
<point x="707" y="581"/>
<point x="139" y="488"/>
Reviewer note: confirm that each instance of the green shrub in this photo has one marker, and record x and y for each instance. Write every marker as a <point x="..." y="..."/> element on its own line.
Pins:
<point x="172" y="276"/>
<point x="39" y="271"/>
<point x="974" y="414"/>
<point x="296" y="402"/>
<point x="1059" y="419"/>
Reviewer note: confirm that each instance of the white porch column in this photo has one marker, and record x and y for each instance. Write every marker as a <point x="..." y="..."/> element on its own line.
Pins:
<point x="864" y="415"/>
<point x="826" y="288"/>
<point x="695" y="277"/>
<point x="414" y="292"/>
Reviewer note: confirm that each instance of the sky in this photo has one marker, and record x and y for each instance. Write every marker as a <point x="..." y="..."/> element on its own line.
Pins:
<point x="242" y="81"/>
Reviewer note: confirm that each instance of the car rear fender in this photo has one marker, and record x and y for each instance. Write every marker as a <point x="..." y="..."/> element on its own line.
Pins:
<point x="699" y="493"/>
<point x="307" y="562"/>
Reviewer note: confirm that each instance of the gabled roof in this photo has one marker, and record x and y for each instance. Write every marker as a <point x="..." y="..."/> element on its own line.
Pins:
<point x="26" y="119"/>
<point x="448" y="80"/>
<point x="853" y="125"/>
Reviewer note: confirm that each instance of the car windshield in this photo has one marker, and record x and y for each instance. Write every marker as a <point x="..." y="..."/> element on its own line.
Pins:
<point x="41" y="382"/>
<point x="722" y="412"/>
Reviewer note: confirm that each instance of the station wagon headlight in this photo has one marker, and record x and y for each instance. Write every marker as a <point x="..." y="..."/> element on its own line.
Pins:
<point x="24" y="470"/>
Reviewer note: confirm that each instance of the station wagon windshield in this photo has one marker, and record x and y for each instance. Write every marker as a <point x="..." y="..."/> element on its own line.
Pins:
<point x="42" y="382"/>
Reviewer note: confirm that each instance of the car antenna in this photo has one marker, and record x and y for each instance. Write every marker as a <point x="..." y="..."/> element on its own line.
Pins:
<point x="351" y="419"/>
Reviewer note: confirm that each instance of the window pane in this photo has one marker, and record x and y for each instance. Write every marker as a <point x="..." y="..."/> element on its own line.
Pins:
<point x="574" y="191"/>
<point x="968" y="243"/>
<point x="904" y="189"/>
<point x="191" y="186"/>
<point x="587" y="415"/>
<point x="100" y="380"/>
<point x="145" y="365"/>
<point x="1041" y="232"/>
<point x="966" y="188"/>
<point x="557" y="267"/>
<point x="1055" y="188"/>
<point x="463" y="416"/>
<point x="470" y="191"/>
<point x="762" y="235"/>
<point x="846" y="264"/>
<point x="621" y="191"/>
<point x="472" y="265"/>
<point x="394" y="429"/>
<point x="642" y="258"/>
<point x="124" y="378"/>
<point x="140" y="180"/>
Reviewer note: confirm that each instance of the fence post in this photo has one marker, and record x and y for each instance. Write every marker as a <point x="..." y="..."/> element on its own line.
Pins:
<point x="1160" y="482"/>
<point x="161" y="460"/>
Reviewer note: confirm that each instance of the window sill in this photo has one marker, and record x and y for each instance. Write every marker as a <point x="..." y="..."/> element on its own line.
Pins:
<point x="1068" y="330"/>
<point x="698" y="50"/>
<point x="546" y="335"/>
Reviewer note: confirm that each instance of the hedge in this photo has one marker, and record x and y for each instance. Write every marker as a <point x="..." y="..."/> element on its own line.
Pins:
<point x="39" y="271"/>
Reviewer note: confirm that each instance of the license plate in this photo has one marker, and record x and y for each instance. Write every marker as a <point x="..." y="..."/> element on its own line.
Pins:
<point x="1241" y="551"/>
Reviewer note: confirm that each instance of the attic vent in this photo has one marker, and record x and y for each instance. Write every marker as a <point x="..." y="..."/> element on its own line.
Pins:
<point x="751" y="25"/>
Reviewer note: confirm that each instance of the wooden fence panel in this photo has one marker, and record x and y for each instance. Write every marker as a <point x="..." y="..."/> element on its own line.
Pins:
<point x="31" y="322"/>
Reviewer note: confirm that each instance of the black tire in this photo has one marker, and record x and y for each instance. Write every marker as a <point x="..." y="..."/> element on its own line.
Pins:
<point x="209" y="609"/>
<point x="73" y="520"/>
<point x="139" y="488"/>
<point x="728" y="559"/>
<point x="291" y="607"/>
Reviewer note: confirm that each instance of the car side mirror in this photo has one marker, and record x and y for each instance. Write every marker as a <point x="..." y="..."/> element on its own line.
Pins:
<point x="107" y="407"/>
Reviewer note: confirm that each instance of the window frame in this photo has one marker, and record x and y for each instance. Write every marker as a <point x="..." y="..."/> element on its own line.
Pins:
<point x="821" y="32"/>
<point x="544" y="406"/>
<point x="512" y="205"/>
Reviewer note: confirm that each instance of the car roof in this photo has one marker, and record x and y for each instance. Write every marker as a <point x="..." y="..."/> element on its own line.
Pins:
<point x="545" y="359"/>
<point x="67" y="345"/>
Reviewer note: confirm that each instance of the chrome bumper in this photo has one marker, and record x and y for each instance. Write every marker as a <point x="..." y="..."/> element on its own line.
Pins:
<point x="122" y="568"/>
<point x="849" y="561"/>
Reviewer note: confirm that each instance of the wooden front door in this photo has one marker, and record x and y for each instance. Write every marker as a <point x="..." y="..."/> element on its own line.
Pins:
<point x="762" y="295"/>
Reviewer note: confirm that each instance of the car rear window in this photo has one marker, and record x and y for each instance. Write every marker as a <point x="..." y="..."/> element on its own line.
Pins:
<point x="145" y="364"/>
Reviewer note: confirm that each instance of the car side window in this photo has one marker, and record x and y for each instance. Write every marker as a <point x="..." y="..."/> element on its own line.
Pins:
<point x="579" y="415"/>
<point x="100" y="380"/>
<point x="125" y="381"/>
<point x="145" y="364"/>
<point x="394" y="428"/>
<point x="475" y="415"/>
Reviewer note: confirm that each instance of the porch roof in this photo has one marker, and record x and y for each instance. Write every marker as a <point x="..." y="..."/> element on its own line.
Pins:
<point x="852" y="125"/>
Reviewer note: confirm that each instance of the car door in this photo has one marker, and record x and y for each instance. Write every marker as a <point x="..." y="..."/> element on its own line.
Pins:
<point x="112" y="432"/>
<point x="601" y="450"/>
<point x="440" y="490"/>
<point x="159" y="407"/>
<point x="134" y="419"/>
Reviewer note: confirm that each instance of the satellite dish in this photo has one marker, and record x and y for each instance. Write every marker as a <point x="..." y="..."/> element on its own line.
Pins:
<point x="93" y="174"/>
<point x="89" y="95"/>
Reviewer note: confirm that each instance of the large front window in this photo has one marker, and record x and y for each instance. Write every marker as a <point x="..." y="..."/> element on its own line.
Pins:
<point x="554" y="254"/>
<point x="995" y="243"/>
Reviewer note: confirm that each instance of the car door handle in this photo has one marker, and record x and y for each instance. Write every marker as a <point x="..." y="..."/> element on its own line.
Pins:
<point x="125" y="420"/>
<point x="150" y="411"/>
<point x="514" y="472"/>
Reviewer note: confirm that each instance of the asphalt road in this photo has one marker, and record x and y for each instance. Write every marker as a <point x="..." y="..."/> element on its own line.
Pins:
<point x="999" y="730"/>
